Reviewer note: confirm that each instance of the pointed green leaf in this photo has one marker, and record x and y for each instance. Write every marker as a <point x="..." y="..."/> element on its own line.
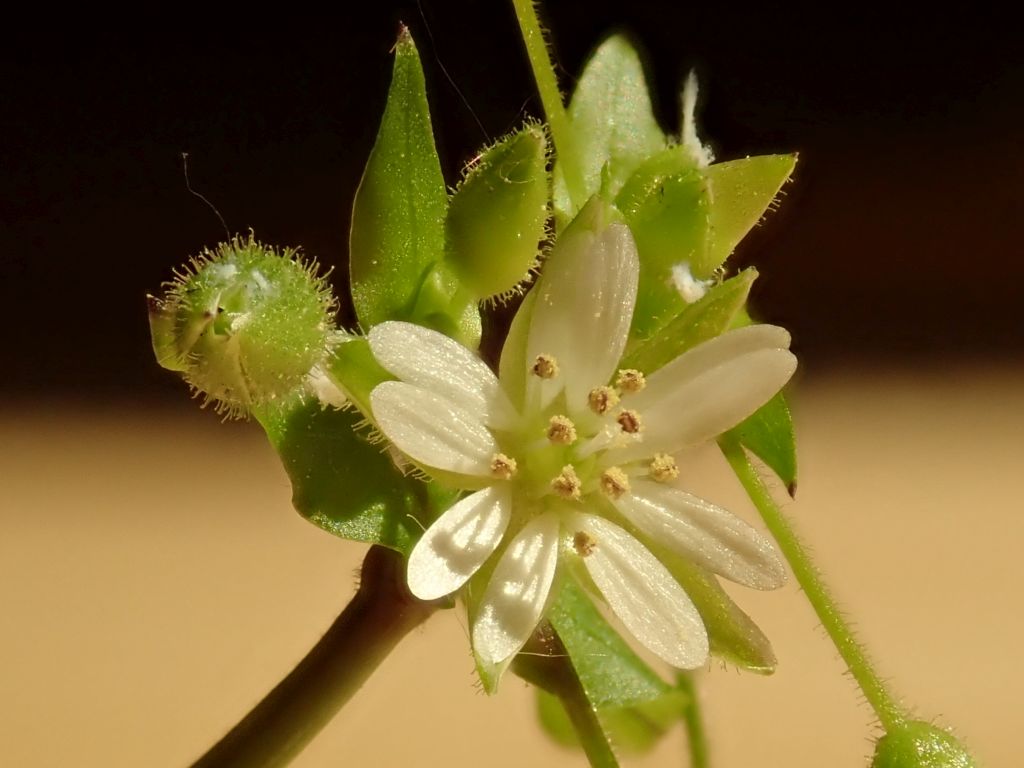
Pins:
<point x="611" y="119"/>
<point x="340" y="482"/>
<point x="697" y="323"/>
<point x="667" y="205"/>
<point x="496" y="218"/>
<point x="399" y="209"/>
<point x="742" y="191"/>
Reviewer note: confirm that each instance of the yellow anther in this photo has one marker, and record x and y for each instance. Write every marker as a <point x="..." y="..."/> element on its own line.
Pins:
<point x="561" y="430"/>
<point x="567" y="484"/>
<point x="614" y="482"/>
<point x="502" y="467"/>
<point x="583" y="543"/>
<point x="630" y="380"/>
<point x="602" y="399"/>
<point x="630" y="421"/>
<point x="663" y="468"/>
<point x="544" y="367"/>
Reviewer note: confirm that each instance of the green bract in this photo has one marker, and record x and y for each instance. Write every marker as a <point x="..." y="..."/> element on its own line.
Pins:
<point x="244" y="324"/>
<point x="498" y="214"/>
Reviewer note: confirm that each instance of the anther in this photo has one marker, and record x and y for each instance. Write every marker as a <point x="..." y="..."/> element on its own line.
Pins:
<point x="567" y="484"/>
<point x="614" y="482"/>
<point x="630" y="380"/>
<point x="602" y="399"/>
<point x="502" y="467"/>
<point x="583" y="543"/>
<point x="663" y="468"/>
<point x="561" y="430"/>
<point x="545" y="367"/>
<point x="629" y="421"/>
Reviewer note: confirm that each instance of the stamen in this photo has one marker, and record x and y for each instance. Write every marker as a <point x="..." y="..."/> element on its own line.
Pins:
<point x="567" y="484"/>
<point x="630" y="380"/>
<point x="630" y="422"/>
<point x="614" y="482"/>
<point x="502" y="467"/>
<point x="561" y="430"/>
<point x="663" y="468"/>
<point x="545" y="367"/>
<point x="583" y="543"/>
<point x="602" y="399"/>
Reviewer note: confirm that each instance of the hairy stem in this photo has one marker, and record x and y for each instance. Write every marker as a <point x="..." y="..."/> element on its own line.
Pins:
<point x="551" y="98"/>
<point x="545" y="662"/>
<point x="693" y="719"/>
<point x="379" y="616"/>
<point x="889" y="713"/>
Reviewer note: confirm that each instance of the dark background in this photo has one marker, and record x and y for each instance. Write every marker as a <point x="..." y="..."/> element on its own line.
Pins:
<point x="898" y="242"/>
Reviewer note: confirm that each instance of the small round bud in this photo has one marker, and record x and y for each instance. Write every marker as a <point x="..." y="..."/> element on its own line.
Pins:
<point x="916" y="744"/>
<point x="244" y="324"/>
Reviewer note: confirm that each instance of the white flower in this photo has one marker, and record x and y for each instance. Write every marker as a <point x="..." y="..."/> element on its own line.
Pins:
<point x="568" y="459"/>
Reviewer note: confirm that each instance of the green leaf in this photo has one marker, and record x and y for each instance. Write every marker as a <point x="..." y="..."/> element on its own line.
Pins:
<point x="697" y="323"/>
<point x="399" y="209"/>
<point x="768" y="433"/>
<point x="742" y="190"/>
<point x="497" y="215"/>
<point x="611" y="120"/>
<point x="667" y="205"/>
<point x="340" y="482"/>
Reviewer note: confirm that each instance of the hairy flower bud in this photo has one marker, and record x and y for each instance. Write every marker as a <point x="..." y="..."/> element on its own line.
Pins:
<point x="244" y="324"/>
<point x="917" y="744"/>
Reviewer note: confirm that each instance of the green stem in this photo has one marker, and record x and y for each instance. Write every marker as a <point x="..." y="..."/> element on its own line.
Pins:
<point x="551" y="98"/>
<point x="886" y="708"/>
<point x="696" y="738"/>
<point x="381" y="613"/>
<point x="545" y="662"/>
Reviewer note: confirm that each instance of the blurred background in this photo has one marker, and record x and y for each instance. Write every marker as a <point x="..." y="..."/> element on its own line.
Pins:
<point x="154" y="579"/>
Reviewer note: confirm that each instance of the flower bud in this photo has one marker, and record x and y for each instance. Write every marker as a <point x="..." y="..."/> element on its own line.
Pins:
<point x="244" y="324"/>
<point x="916" y="744"/>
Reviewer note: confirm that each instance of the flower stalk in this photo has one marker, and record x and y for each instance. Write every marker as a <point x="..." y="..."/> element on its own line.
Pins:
<point x="887" y="709"/>
<point x="378" y="617"/>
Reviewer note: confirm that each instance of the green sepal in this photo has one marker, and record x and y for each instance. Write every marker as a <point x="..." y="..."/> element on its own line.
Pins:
<point x="917" y="744"/>
<point x="742" y="191"/>
<point x="398" y="214"/>
<point x="354" y="369"/>
<point x="733" y="636"/>
<point x="667" y="204"/>
<point x="705" y="319"/>
<point x="612" y="122"/>
<point x="635" y="728"/>
<point x="611" y="673"/>
<point x="768" y="433"/>
<point x="443" y="304"/>
<point x="497" y="216"/>
<point x="163" y="337"/>
<point x="341" y="482"/>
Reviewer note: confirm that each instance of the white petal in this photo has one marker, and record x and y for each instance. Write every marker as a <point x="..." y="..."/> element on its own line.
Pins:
<point x="643" y="594"/>
<point x="432" y="430"/>
<point x="704" y="406"/>
<point x="584" y="307"/>
<point x="435" y="362"/>
<point x="707" y="534"/>
<point x="712" y="353"/>
<point x="518" y="591"/>
<point x="458" y="543"/>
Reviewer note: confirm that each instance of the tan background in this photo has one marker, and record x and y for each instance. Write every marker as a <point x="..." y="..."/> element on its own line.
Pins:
<point x="155" y="582"/>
